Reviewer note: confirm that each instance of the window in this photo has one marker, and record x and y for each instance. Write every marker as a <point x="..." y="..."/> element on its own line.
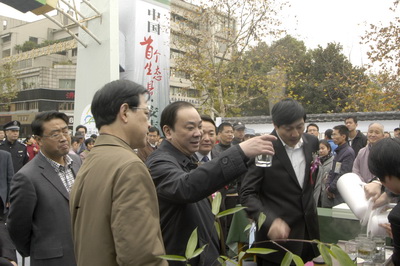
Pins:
<point x="6" y="53"/>
<point x="5" y="23"/>
<point x="6" y="38"/>
<point x="33" y="39"/>
<point x="75" y="52"/>
<point x="67" y="84"/>
<point x="28" y="83"/>
<point x="66" y="106"/>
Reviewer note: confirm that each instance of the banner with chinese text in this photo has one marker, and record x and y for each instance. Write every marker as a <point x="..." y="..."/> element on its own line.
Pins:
<point x="144" y="49"/>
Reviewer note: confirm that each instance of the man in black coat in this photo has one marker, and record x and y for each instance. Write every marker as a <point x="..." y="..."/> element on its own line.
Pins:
<point x="284" y="191"/>
<point x="183" y="186"/>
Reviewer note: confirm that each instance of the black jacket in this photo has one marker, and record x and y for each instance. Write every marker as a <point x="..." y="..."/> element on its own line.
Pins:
<point x="359" y="142"/>
<point x="183" y="188"/>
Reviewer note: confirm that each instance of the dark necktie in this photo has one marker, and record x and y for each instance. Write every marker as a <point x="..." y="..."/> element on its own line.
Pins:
<point x="205" y="159"/>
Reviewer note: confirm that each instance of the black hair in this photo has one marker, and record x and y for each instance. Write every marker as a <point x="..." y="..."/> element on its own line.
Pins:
<point x="154" y="129"/>
<point x="312" y="125"/>
<point x="107" y="101"/>
<point x="328" y="133"/>
<point x="343" y="130"/>
<point x="41" y="118"/>
<point x="384" y="159"/>
<point x="81" y="126"/>
<point x="326" y="143"/>
<point x="89" y="141"/>
<point x="207" y="118"/>
<point x="74" y="139"/>
<point x="223" y="125"/>
<point x="352" y="117"/>
<point x="168" y="115"/>
<point x="93" y="136"/>
<point x="287" y="111"/>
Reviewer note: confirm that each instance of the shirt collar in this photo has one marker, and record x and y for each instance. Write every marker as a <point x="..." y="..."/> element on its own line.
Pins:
<point x="201" y="156"/>
<point x="297" y="146"/>
<point x="68" y="161"/>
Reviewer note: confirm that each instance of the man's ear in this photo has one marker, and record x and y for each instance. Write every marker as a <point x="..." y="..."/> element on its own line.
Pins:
<point x="167" y="131"/>
<point x="38" y="140"/>
<point x="123" y="110"/>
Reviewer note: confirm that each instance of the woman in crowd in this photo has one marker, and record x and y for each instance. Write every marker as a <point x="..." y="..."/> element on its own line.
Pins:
<point x="326" y="160"/>
<point x="31" y="147"/>
<point x="89" y="145"/>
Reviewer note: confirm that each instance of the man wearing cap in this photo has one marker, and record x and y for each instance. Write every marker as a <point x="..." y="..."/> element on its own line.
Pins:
<point x="249" y="133"/>
<point x="238" y="132"/>
<point x="11" y="144"/>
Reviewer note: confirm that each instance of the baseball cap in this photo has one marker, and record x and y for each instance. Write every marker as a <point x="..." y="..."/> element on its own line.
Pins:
<point x="238" y="126"/>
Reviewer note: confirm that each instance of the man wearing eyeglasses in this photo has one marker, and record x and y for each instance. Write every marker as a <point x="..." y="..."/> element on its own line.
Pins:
<point x="39" y="217"/>
<point x="115" y="216"/>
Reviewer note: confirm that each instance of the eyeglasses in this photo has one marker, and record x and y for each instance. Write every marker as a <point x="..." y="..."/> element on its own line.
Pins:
<point x="148" y="113"/>
<point x="58" y="135"/>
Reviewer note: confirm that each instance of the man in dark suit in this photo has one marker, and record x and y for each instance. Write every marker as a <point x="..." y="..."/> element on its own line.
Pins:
<point x="39" y="220"/>
<point x="284" y="191"/>
<point x="6" y="173"/>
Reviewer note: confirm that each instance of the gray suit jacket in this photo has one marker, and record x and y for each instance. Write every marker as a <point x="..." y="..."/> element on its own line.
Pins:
<point x="6" y="173"/>
<point x="39" y="220"/>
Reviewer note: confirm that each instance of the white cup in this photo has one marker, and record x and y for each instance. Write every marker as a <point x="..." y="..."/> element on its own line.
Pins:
<point x="263" y="160"/>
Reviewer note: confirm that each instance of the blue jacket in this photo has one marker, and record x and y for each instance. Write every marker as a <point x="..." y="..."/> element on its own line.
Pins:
<point x="342" y="164"/>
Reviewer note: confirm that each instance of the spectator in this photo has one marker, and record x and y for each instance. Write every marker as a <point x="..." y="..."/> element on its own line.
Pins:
<point x="313" y="129"/>
<point x="396" y="132"/>
<point x="2" y="135"/>
<point x="249" y="133"/>
<point x="238" y="133"/>
<point x="328" y="137"/>
<point x="384" y="162"/>
<point x="360" y="166"/>
<point x="93" y="136"/>
<point x="151" y="144"/>
<point x="81" y="131"/>
<point x="31" y="147"/>
<point x="39" y="220"/>
<point x="89" y="143"/>
<point x="356" y="139"/>
<point x="115" y="216"/>
<point x="225" y="136"/>
<point x="342" y="164"/>
<point x="183" y="186"/>
<point x="11" y="144"/>
<point x="284" y="191"/>
<point x="326" y="160"/>
<point x="387" y="134"/>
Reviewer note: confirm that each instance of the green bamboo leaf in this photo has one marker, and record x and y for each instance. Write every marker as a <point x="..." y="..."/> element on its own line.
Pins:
<point x="261" y="220"/>
<point x="297" y="260"/>
<point x="218" y="228"/>
<point x="191" y="245"/>
<point x="287" y="259"/>
<point x="247" y="228"/>
<point x="216" y="203"/>
<point x="197" y="252"/>
<point x="172" y="257"/>
<point x="230" y="211"/>
<point x="241" y="254"/>
<point x="263" y="251"/>
<point x="324" y="250"/>
<point x="341" y="256"/>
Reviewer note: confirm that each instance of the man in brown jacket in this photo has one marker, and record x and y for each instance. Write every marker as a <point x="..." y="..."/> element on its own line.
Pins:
<point x="115" y="215"/>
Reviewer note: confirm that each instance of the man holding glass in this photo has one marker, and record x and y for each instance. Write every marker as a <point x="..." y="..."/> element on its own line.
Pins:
<point x="283" y="192"/>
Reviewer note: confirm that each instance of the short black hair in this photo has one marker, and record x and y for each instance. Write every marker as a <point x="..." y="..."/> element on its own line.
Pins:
<point x="89" y="141"/>
<point x="93" y="136"/>
<point x="107" y="101"/>
<point x="326" y="143"/>
<point x="223" y="125"/>
<point x="154" y="129"/>
<point x="312" y="125"/>
<point x="343" y="130"/>
<point x="287" y="111"/>
<point x="74" y="139"/>
<point x="208" y="118"/>
<point x="41" y="118"/>
<point x="168" y="115"/>
<point x="384" y="159"/>
<point x="81" y="126"/>
<point x="352" y="117"/>
<point x="328" y="133"/>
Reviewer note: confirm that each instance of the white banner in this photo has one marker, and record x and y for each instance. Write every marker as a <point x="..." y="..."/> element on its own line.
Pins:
<point x="144" y="49"/>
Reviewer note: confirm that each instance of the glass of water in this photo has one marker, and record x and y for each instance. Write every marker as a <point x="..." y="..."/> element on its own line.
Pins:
<point x="263" y="160"/>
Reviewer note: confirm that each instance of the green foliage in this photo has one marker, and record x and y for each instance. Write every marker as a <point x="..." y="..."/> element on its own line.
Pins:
<point x="29" y="45"/>
<point x="8" y="89"/>
<point x="261" y="220"/>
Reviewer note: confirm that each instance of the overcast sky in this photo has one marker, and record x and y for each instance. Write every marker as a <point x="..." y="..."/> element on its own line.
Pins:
<point x="316" y="22"/>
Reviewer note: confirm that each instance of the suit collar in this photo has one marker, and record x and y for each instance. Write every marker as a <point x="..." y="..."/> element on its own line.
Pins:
<point x="50" y="174"/>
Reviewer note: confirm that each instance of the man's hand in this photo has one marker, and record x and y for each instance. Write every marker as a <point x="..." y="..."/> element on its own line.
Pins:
<point x="329" y="194"/>
<point x="372" y="190"/>
<point x="258" y="145"/>
<point x="279" y="230"/>
<point x="382" y="200"/>
<point x="387" y="228"/>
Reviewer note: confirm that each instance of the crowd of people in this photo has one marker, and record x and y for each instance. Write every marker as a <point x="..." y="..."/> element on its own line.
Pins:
<point x="136" y="192"/>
